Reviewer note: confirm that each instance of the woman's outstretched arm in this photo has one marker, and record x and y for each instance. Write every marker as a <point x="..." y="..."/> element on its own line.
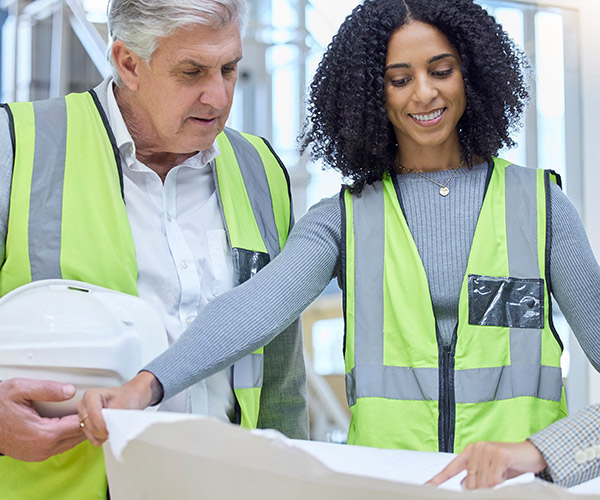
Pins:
<point x="235" y="323"/>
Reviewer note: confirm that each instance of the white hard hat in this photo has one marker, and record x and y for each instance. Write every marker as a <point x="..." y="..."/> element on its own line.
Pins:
<point x="78" y="333"/>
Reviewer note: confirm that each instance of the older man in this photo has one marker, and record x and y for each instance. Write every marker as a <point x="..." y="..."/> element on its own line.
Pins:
<point x="138" y="186"/>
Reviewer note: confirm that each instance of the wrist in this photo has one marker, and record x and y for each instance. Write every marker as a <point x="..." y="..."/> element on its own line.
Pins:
<point x="148" y="387"/>
<point x="538" y="462"/>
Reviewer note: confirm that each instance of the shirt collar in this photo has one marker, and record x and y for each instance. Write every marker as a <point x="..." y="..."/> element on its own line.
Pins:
<point x="127" y="146"/>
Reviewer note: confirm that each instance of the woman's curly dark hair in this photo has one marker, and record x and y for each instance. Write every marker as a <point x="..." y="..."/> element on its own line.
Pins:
<point x="347" y="124"/>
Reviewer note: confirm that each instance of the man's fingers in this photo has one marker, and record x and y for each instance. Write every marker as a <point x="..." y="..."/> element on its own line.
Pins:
<point x="24" y="434"/>
<point x="68" y="427"/>
<point x="40" y="390"/>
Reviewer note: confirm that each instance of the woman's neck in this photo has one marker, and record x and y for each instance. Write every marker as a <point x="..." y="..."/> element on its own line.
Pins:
<point x="429" y="158"/>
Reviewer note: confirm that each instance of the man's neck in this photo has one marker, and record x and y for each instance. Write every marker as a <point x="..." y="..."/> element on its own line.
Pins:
<point x="145" y="150"/>
<point x="161" y="163"/>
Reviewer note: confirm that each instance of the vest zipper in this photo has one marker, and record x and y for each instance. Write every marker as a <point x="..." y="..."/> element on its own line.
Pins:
<point x="446" y="400"/>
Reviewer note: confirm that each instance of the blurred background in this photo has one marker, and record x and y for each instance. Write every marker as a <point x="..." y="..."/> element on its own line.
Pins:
<point x="52" y="47"/>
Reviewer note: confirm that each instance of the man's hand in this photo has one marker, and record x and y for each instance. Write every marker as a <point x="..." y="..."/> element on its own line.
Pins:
<point x="142" y="390"/>
<point x="25" y="435"/>
<point x="488" y="464"/>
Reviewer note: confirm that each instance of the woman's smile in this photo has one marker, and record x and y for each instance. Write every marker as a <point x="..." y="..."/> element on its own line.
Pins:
<point x="428" y="119"/>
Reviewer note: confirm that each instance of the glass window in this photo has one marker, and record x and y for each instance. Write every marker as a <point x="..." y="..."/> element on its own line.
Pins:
<point x="282" y="64"/>
<point x="512" y="22"/>
<point x="550" y="91"/>
<point x="284" y="14"/>
<point x="95" y="10"/>
<point x="327" y="344"/>
<point x="323" y="19"/>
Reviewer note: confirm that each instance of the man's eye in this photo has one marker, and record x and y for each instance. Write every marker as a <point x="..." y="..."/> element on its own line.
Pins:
<point x="191" y="73"/>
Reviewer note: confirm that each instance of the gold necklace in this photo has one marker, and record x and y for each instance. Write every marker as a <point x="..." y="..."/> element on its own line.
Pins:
<point x="444" y="190"/>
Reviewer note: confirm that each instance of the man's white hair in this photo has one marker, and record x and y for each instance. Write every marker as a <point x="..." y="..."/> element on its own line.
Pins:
<point x="140" y="24"/>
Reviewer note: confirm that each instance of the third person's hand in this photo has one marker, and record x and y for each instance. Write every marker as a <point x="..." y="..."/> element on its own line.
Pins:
<point x="490" y="463"/>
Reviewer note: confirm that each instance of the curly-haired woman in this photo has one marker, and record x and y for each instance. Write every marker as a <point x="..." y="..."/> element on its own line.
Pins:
<point x="446" y="255"/>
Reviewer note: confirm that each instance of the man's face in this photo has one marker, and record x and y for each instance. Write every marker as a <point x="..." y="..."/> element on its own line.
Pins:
<point x="184" y="96"/>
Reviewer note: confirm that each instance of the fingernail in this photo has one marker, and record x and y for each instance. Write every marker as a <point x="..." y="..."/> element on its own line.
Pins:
<point x="69" y="390"/>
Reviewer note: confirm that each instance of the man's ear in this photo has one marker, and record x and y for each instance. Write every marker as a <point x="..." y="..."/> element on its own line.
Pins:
<point x="127" y="64"/>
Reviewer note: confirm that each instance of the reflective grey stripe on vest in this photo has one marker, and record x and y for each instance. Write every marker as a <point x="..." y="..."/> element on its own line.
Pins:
<point x="522" y="249"/>
<point x="370" y="378"/>
<point x="257" y="187"/>
<point x="47" y="187"/>
<point x="369" y="247"/>
<point x="392" y="382"/>
<point x="471" y="386"/>
<point x="248" y="372"/>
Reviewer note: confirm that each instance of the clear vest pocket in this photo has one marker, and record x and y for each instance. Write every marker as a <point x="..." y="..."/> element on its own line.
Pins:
<point x="247" y="263"/>
<point x="505" y="301"/>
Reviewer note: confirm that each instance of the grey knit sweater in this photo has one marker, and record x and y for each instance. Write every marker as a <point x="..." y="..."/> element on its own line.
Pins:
<point x="238" y="322"/>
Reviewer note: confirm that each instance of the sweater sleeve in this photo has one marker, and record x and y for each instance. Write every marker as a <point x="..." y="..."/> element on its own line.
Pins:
<point x="251" y="315"/>
<point x="575" y="274"/>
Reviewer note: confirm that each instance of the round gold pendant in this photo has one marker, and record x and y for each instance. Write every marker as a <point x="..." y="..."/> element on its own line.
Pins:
<point x="444" y="191"/>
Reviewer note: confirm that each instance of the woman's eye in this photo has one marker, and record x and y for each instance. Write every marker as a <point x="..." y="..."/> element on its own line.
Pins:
<point x="443" y="73"/>
<point x="399" y="82"/>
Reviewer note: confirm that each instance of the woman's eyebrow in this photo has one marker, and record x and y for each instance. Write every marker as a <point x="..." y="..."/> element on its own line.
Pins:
<point x="441" y="56"/>
<point x="396" y="65"/>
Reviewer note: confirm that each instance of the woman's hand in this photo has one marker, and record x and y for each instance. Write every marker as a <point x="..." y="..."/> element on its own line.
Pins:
<point x="141" y="391"/>
<point x="488" y="464"/>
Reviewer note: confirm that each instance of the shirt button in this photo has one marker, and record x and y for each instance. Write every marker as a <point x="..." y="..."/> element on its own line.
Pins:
<point x="580" y="457"/>
<point x="190" y="319"/>
<point x="169" y="218"/>
<point x="184" y="264"/>
<point x="590" y="454"/>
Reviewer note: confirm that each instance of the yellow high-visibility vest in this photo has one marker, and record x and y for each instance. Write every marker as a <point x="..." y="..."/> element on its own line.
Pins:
<point x="68" y="220"/>
<point x="500" y="379"/>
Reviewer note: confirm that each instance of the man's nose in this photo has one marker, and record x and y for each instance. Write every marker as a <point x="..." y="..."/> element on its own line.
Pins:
<point x="215" y="93"/>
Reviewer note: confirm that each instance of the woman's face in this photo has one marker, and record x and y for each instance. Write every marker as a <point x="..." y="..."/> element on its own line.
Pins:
<point x="424" y="89"/>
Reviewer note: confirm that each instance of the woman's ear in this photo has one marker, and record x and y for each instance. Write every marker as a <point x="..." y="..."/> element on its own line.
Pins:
<point x="127" y="64"/>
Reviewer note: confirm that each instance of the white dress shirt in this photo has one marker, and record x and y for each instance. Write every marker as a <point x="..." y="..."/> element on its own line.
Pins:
<point x="183" y="257"/>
